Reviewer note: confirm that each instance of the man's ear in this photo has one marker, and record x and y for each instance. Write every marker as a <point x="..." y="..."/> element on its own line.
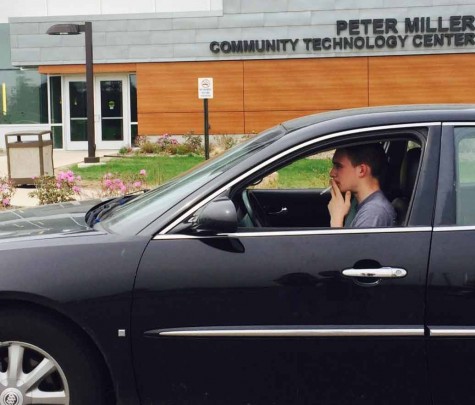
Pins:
<point x="363" y="170"/>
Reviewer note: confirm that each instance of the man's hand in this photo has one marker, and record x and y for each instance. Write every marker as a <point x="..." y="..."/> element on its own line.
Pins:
<point x="339" y="206"/>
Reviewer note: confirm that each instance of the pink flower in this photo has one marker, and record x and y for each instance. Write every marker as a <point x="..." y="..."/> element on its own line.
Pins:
<point x="58" y="185"/>
<point x="143" y="172"/>
<point x="108" y="183"/>
<point x="123" y="189"/>
<point x="76" y="189"/>
<point x="78" y="178"/>
<point x="6" y="202"/>
<point x="65" y="176"/>
<point x="138" y="184"/>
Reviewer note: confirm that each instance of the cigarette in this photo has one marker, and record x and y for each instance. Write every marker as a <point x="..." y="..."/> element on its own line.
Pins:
<point x="326" y="190"/>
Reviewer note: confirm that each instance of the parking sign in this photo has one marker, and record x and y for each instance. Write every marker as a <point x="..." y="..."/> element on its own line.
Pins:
<point x="205" y="87"/>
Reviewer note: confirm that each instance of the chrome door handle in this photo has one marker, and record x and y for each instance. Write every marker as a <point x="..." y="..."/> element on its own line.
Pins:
<point x="383" y="272"/>
<point x="282" y="211"/>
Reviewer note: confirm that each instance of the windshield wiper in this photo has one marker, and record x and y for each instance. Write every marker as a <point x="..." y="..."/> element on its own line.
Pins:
<point x="99" y="211"/>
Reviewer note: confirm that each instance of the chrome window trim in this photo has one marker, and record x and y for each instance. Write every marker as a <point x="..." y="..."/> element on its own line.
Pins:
<point x="450" y="124"/>
<point x="198" y="205"/>
<point x="454" y="228"/>
<point x="451" y="331"/>
<point x="287" y="332"/>
<point x="328" y="231"/>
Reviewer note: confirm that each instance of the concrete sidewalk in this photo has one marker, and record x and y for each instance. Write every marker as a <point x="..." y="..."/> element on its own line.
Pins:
<point x="61" y="159"/>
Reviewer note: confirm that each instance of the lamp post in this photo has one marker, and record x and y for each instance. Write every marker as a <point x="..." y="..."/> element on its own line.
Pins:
<point x="76" y="29"/>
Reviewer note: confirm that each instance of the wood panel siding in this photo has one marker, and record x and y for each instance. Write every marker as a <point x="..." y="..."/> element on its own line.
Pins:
<point x="81" y="69"/>
<point x="186" y="122"/>
<point x="173" y="87"/>
<point x="256" y="121"/>
<point x="168" y="97"/>
<point x="421" y="79"/>
<point x="305" y="84"/>
<point x="256" y="94"/>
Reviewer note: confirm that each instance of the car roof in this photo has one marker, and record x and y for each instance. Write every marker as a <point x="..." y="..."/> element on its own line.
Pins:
<point x="395" y="113"/>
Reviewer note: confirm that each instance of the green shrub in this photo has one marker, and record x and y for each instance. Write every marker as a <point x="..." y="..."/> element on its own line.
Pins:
<point x="193" y="143"/>
<point x="149" y="147"/>
<point x="55" y="189"/>
<point x="183" y="149"/>
<point x="226" y="141"/>
<point x="113" y="184"/>
<point x="125" y="150"/>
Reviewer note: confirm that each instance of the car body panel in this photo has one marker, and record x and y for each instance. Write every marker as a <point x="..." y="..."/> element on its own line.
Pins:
<point x="50" y="219"/>
<point x="451" y="282"/>
<point x="87" y="278"/>
<point x="268" y="282"/>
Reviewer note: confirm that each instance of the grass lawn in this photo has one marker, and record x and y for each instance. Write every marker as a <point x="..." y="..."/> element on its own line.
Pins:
<point x="159" y="168"/>
<point x="304" y="173"/>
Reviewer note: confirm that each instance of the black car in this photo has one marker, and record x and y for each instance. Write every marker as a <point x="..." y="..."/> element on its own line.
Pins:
<point x="221" y="287"/>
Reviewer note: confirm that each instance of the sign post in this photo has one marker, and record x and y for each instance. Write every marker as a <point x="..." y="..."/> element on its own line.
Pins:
<point x="205" y="92"/>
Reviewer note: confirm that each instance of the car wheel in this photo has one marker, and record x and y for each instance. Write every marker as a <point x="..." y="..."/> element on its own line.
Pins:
<point x="45" y="361"/>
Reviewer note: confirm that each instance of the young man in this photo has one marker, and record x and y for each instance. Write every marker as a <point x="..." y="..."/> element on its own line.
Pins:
<point x="356" y="172"/>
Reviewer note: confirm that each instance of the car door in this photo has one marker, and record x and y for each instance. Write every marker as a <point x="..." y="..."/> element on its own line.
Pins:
<point x="451" y="285"/>
<point x="300" y="203"/>
<point x="267" y="317"/>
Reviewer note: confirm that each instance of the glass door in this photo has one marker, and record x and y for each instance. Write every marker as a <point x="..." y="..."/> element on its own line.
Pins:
<point x="76" y="113"/>
<point x="112" y="112"/>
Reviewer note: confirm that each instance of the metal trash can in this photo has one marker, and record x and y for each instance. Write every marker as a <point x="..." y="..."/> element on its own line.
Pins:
<point x="29" y="155"/>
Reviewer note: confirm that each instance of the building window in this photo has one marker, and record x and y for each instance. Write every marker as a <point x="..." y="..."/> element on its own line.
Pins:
<point x="133" y="108"/>
<point x="24" y="97"/>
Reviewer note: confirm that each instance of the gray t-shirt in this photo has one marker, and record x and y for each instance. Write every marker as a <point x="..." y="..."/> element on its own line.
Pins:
<point x="374" y="211"/>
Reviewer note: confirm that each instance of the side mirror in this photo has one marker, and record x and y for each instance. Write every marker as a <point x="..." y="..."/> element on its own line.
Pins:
<point x="218" y="216"/>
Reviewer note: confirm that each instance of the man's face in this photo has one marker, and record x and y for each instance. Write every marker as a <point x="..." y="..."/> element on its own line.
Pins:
<point x="344" y="173"/>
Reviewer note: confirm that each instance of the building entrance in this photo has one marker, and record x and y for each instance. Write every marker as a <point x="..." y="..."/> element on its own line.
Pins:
<point x="111" y="112"/>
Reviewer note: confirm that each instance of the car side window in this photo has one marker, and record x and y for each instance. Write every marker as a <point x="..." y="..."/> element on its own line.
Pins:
<point x="296" y="194"/>
<point x="465" y="175"/>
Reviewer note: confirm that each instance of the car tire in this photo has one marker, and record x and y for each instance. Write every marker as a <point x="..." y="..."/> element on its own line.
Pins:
<point x="45" y="360"/>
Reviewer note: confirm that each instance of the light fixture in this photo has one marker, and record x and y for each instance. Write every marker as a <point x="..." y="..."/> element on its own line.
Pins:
<point x="76" y="29"/>
<point x="66" y="29"/>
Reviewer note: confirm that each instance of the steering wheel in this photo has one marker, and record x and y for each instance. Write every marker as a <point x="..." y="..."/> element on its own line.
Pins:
<point x="254" y="209"/>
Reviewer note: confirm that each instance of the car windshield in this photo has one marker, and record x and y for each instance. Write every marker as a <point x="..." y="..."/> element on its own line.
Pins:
<point x="136" y="214"/>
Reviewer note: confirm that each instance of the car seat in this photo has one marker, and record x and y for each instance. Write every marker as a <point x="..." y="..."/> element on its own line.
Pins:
<point x="407" y="181"/>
